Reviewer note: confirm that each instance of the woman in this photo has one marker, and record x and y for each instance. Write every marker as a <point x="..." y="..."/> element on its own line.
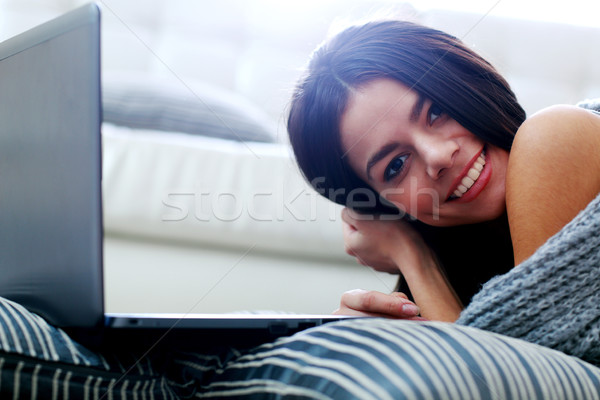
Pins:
<point x="393" y="117"/>
<point x="405" y="112"/>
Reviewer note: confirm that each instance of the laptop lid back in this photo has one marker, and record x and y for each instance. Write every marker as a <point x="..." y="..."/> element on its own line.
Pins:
<point x="50" y="170"/>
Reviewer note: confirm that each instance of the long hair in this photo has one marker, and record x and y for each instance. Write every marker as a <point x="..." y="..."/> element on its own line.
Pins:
<point x="436" y="65"/>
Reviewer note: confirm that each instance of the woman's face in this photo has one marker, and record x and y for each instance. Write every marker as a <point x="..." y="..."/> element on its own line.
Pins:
<point x="419" y="158"/>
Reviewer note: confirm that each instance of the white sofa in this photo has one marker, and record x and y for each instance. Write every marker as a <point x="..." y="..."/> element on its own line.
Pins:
<point x="206" y="225"/>
<point x="260" y="239"/>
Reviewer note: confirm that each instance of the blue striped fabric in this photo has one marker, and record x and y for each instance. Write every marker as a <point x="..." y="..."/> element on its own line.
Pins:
<point x="28" y="334"/>
<point x="387" y="359"/>
<point x="26" y="378"/>
<point x="351" y="359"/>
<point x="39" y="361"/>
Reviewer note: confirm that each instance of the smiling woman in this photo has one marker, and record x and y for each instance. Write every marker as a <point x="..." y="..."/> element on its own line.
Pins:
<point x="413" y="132"/>
<point x="435" y="65"/>
<point x="390" y="119"/>
<point x="419" y="158"/>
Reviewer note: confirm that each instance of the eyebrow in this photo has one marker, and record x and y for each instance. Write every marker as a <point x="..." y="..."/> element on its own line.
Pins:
<point x="417" y="109"/>
<point x="415" y="114"/>
<point x="381" y="154"/>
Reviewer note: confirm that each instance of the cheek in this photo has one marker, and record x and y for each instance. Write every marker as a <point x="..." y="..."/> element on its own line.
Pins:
<point x="501" y="164"/>
<point x="418" y="201"/>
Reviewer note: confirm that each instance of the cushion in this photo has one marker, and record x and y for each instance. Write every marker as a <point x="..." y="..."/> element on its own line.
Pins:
<point x="397" y="359"/>
<point x="39" y="361"/>
<point x="353" y="359"/>
<point x="148" y="102"/>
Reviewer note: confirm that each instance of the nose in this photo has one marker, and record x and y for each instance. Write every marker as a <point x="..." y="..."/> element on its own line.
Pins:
<point x="438" y="155"/>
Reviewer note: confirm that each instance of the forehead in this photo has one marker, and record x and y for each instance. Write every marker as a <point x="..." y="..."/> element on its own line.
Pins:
<point x="374" y="104"/>
<point x="373" y="116"/>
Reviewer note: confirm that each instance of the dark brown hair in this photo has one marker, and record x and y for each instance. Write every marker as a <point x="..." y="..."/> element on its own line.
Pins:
<point x="437" y="66"/>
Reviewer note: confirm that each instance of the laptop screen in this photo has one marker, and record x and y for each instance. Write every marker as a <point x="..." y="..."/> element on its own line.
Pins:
<point x="50" y="196"/>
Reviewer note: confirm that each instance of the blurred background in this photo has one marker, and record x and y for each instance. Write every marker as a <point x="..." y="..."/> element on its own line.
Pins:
<point x="292" y="256"/>
<point x="257" y="48"/>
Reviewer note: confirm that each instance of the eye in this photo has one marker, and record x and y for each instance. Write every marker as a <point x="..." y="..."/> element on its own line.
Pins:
<point x="395" y="167"/>
<point x="434" y="113"/>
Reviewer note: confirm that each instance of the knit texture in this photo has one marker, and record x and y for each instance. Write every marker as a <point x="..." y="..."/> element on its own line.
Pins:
<point x="552" y="298"/>
<point x="590" y="104"/>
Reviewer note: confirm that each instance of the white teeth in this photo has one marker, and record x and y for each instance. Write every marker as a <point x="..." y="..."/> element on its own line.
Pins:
<point x="468" y="182"/>
<point x="472" y="176"/>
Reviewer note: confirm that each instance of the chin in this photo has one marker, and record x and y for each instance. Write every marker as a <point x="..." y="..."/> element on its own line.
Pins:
<point x="447" y="221"/>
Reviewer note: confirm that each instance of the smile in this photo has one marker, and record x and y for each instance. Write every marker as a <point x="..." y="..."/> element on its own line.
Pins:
<point x="469" y="178"/>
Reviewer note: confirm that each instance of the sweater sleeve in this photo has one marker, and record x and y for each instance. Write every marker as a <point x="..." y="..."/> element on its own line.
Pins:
<point x="552" y="298"/>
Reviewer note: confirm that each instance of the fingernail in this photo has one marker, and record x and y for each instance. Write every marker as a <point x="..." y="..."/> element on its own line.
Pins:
<point x="410" y="309"/>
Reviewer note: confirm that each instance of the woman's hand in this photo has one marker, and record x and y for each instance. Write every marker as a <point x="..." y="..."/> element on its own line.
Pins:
<point x="383" y="245"/>
<point x="394" y="246"/>
<point x="376" y="304"/>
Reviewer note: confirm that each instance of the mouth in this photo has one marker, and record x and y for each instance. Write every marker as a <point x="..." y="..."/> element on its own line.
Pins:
<point x="471" y="174"/>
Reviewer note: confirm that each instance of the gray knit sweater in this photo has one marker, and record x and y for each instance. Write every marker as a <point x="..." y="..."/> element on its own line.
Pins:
<point x="552" y="298"/>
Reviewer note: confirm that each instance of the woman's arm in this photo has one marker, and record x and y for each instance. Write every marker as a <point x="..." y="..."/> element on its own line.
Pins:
<point x="395" y="247"/>
<point x="553" y="173"/>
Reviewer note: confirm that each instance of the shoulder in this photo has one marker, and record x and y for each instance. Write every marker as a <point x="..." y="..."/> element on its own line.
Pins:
<point x="556" y="142"/>
<point x="555" y="127"/>
<point x="553" y="173"/>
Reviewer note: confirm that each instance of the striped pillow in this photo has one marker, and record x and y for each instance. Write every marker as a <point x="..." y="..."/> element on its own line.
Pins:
<point x="390" y="359"/>
<point x="352" y="359"/>
<point x="39" y="361"/>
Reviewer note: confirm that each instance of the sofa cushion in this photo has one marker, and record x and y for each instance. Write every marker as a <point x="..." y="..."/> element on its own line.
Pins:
<point x="213" y="191"/>
<point x="149" y="102"/>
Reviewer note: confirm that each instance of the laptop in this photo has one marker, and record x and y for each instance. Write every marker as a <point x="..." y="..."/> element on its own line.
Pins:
<point x="51" y="201"/>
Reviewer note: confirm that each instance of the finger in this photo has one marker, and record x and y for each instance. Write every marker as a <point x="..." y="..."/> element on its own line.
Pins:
<point x="361" y="261"/>
<point x="353" y="313"/>
<point x="399" y="294"/>
<point x="351" y="216"/>
<point x="373" y="302"/>
<point x="349" y="250"/>
<point x="350" y="238"/>
<point x="344" y="311"/>
<point x="346" y="215"/>
<point x="347" y="229"/>
<point x="418" y="319"/>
